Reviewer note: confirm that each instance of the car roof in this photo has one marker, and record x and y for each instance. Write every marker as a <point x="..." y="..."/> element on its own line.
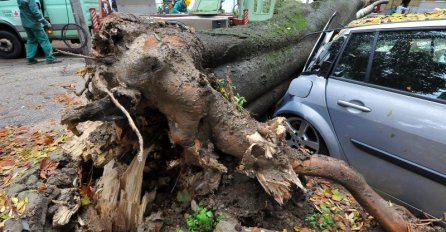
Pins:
<point x="410" y="24"/>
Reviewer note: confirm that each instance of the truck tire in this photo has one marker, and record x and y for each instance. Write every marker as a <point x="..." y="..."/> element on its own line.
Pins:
<point x="10" y="45"/>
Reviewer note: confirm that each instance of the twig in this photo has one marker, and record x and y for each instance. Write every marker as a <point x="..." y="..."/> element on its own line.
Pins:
<point x="178" y="178"/>
<point x="102" y="87"/>
<point x="74" y="54"/>
<point x="425" y="222"/>
<point x="87" y="83"/>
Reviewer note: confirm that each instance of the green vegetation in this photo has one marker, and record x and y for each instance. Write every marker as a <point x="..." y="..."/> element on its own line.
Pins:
<point x="320" y="221"/>
<point x="328" y="209"/>
<point x="227" y="91"/>
<point x="203" y="220"/>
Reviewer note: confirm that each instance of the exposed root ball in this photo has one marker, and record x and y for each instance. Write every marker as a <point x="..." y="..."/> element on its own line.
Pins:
<point x="162" y="63"/>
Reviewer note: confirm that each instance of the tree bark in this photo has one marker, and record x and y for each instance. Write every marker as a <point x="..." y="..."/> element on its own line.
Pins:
<point x="293" y="21"/>
<point x="339" y="171"/>
<point x="262" y="55"/>
<point x="163" y="65"/>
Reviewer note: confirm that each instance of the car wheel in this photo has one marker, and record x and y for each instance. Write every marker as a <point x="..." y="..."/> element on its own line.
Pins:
<point x="10" y="45"/>
<point x="301" y="134"/>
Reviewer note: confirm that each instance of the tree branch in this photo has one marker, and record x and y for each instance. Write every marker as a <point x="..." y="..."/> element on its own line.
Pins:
<point x="339" y="171"/>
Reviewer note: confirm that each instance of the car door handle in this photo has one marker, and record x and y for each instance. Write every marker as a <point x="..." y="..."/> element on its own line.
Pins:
<point x="354" y="106"/>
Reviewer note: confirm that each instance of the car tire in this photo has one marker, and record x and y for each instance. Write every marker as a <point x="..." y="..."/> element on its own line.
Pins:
<point x="301" y="134"/>
<point x="10" y="45"/>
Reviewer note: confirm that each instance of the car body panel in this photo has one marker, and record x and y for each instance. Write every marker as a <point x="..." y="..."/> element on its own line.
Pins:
<point x="395" y="139"/>
<point x="392" y="127"/>
<point x="300" y="87"/>
<point x="314" y="112"/>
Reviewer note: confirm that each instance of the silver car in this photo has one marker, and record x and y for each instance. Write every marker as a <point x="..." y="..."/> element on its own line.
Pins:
<point x="375" y="96"/>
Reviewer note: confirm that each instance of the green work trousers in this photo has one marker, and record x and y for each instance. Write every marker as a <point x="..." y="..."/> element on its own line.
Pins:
<point x="36" y="37"/>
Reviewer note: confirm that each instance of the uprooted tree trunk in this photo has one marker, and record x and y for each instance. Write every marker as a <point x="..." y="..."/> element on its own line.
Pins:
<point x="152" y="70"/>
<point x="263" y="57"/>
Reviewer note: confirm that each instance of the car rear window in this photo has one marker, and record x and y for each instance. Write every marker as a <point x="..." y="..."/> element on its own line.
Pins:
<point x="411" y="61"/>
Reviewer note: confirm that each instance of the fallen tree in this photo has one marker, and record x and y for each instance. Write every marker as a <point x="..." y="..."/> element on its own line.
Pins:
<point x="149" y="77"/>
<point x="264" y="56"/>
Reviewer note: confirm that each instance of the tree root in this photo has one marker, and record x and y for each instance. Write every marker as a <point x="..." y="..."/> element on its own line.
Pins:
<point x="163" y="64"/>
<point x="76" y="55"/>
<point x="100" y="83"/>
<point x="339" y="171"/>
<point x="86" y="84"/>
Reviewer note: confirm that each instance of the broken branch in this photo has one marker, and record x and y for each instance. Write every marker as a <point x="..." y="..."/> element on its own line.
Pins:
<point x="339" y="171"/>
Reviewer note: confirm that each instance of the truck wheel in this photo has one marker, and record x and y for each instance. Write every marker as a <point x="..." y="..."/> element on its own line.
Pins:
<point x="10" y="45"/>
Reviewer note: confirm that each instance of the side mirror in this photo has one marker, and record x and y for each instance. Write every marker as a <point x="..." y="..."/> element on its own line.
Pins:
<point x="315" y="67"/>
<point x="339" y="71"/>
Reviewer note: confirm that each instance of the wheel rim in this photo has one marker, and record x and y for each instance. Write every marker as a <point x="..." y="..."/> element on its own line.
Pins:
<point x="6" y="45"/>
<point x="302" y="134"/>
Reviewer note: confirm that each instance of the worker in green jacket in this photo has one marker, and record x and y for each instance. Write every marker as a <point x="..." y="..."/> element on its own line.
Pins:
<point x="33" y="22"/>
<point x="180" y="7"/>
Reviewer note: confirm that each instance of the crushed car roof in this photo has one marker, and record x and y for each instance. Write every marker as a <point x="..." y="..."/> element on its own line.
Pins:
<point x="434" y="18"/>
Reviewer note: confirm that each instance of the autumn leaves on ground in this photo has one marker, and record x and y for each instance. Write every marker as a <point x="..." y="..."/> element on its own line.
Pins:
<point x="24" y="153"/>
<point x="161" y="147"/>
<point x="37" y="179"/>
<point x="25" y="164"/>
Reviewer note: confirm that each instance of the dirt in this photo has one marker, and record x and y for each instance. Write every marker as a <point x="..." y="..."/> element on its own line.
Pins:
<point x="240" y="196"/>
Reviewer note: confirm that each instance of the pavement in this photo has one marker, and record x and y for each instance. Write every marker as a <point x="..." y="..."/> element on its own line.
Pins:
<point x="30" y="94"/>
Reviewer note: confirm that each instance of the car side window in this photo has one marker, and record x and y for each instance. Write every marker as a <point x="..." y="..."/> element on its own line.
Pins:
<point x="353" y="62"/>
<point x="411" y="61"/>
<point x="327" y="56"/>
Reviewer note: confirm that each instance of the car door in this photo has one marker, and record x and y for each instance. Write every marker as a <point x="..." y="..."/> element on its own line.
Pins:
<point x="386" y="99"/>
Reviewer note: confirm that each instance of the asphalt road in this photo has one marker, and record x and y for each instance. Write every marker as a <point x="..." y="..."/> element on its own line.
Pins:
<point x="27" y="92"/>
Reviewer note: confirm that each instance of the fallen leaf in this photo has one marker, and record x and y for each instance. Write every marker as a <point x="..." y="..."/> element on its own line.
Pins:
<point x="65" y="99"/>
<point x="85" y="200"/>
<point x="21" y="130"/>
<point x="306" y="230"/>
<point x="52" y="134"/>
<point x="3" y="132"/>
<point x="157" y="36"/>
<point x="184" y="196"/>
<point x="14" y="200"/>
<point x="81" y="72"/>
<point x="21" y="206"/>
<point x="336" y="195"/>
<point x="19" y="141"/>
<point x="41" y="188"/>
<point x="85" y="190"/>
<point x="52" y="148"/>
<point x="44" y="141"/>
<point x="6" y="161"/>
<point x="47" y="168"/>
